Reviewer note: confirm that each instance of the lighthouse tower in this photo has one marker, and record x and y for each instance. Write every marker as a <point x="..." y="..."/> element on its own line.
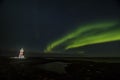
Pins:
<point x="21" y="54"/>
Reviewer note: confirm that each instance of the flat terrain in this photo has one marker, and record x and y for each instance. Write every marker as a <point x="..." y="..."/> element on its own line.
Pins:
<point x="51" y="68"/>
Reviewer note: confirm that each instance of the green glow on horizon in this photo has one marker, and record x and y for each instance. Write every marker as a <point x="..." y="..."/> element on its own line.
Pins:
<point x="87" y="35"/>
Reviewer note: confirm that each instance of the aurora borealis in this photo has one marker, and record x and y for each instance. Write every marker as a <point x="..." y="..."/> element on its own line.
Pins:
<point x="88" y="34"/>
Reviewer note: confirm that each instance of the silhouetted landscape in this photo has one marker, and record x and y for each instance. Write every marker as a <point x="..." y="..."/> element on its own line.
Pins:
<point x="38" y="68"/>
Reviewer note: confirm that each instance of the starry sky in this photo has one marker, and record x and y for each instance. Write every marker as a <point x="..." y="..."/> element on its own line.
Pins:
<point x="33" y="24"/>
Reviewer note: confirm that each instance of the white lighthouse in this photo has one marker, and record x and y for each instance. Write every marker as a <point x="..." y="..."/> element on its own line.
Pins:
<point x="21" y="54"/>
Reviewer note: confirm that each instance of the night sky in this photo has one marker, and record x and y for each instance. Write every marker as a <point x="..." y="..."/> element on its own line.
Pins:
<point x="33" y="24"/>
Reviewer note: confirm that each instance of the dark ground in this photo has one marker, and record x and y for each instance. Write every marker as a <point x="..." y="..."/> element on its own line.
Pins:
<point x="41" y="69"/>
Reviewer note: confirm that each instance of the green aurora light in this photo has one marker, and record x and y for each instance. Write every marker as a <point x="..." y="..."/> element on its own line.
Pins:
<point x="87" y="35"/>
